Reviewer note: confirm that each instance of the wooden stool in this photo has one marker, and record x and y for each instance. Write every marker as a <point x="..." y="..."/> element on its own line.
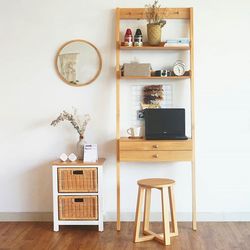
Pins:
<point x="163" y="185"/>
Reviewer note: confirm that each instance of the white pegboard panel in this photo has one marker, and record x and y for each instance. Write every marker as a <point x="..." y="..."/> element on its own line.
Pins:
<point x="137" y="98"/>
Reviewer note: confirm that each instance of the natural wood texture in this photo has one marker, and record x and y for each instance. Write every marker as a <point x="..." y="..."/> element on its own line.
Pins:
<point x="155" y="182"/>
<point x="141" y="150"/>
<point x="163" y="185"/>
<point x="146" y="215"/>
<point x="39" y="236"/>
<point x="141" y="191"/>
<point x="77" y="163"/>
<point x="168" y="13"/>
<point x="155" y="156"/>
<point x="78" y="207"/>
<point x="157" y="145"/>
<point x="73" y="180"/>
<point x="165" y="218"/>
<point x="146" y="46"/>
<point x="152" y="77"/>
<point x="117" y="40"/>
<point x="172" y="211"/>
<point x="118" y="194"/>
<point x="191" y="25"/>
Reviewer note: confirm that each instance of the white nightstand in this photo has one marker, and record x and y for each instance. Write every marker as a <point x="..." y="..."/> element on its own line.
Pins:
<point x="77" y="193"/>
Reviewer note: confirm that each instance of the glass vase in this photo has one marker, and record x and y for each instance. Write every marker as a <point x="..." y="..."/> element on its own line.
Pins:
<point x="80" y="148"/>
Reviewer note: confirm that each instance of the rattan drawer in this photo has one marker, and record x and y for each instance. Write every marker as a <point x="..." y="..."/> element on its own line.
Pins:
<point x="77" y="180"/>
<point x="78" y="207"/>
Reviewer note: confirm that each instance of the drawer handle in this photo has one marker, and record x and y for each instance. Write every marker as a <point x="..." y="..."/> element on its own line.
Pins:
<point x="156" y="146"/>
<point x="78" y="200"/>
<point x="156" y="156"/>
<point x="77" y="171"/>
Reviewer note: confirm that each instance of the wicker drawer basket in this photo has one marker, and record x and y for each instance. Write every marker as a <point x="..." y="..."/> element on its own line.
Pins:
<point x="73" y="180"/>
<point x="78" y="207"/>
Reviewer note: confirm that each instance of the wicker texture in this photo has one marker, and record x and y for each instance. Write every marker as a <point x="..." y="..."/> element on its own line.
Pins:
<point x="154" y="34"/>
<point x="77" y="180"/>
<point x="78" y="208"/>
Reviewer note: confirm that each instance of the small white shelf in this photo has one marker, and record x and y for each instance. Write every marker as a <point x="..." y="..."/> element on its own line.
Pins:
<point x="79" y="164"/>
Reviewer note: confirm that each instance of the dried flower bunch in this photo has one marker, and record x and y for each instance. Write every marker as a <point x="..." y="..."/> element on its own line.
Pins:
<point x="79" y="122"/>
<point x="153" y="94"/>
<point x="154" y="14"/>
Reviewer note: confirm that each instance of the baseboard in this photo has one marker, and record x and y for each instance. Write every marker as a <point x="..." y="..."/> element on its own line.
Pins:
<point x="26" y="216"/>
<point x="128" y="216"/>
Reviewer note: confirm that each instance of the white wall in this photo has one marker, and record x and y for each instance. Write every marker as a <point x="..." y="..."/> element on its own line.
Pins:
<point x="32" y="95"/>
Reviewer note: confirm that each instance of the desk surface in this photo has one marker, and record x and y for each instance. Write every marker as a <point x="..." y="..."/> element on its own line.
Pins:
<point x="144" y="140"/>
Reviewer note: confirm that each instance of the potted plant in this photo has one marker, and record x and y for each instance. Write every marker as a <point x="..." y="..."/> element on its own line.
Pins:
<point x="155" y="23"/>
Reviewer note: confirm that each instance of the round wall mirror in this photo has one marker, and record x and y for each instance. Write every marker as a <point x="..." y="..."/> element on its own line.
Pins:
<point x="78" y="63"/>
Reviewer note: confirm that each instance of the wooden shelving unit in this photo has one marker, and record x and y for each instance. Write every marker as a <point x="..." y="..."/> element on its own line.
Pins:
<point x="141" y="150"/>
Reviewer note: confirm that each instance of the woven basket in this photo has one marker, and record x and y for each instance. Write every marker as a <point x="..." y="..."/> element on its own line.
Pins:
<point x="78" y="207"/>
<point x="77" y="180"/>
<point x="154" y="34"/>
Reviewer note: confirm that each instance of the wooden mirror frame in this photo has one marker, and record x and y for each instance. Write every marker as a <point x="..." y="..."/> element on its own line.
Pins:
<point x="97" y="73"/>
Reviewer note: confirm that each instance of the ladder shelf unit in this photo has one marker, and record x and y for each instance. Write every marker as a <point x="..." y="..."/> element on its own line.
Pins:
<point x="141" y="150"/>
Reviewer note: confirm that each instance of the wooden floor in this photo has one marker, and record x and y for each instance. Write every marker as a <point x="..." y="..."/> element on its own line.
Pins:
<point x="39" y="235"/>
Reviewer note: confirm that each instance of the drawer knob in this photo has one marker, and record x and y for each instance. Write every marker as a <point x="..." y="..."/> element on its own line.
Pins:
<point x="156" y="156"/>
<point x="155" y="146"/>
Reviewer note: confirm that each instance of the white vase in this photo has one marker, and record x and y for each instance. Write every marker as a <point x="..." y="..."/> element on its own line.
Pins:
<point x="79" y="148"/>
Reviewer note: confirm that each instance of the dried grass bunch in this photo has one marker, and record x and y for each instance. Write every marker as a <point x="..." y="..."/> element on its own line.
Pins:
<point x="78" y="122"/>
<point x="153" y="94"/>
<point x="154" y="14"/>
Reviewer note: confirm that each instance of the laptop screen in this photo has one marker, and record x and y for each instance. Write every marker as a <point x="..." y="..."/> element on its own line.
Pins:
<point x="164" y="122"/>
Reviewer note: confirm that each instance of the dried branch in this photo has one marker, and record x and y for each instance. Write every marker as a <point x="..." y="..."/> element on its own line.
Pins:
<point x="76" y="121"/>
<point x="153" y="13"/>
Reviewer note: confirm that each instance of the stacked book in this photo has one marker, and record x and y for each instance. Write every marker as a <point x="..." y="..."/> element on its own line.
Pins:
<point x="183" y="42"/>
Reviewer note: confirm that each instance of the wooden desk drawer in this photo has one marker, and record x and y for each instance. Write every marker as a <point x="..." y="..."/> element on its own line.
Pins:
<point x="73" y="180"/>
<point x="78" y="207"/>
<point x="155" y="145"/>
<point x="155" y="156"/>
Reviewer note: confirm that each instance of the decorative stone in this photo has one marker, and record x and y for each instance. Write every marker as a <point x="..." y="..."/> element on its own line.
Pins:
<point x="63" y="157"/>
<point x="72" y="157"/>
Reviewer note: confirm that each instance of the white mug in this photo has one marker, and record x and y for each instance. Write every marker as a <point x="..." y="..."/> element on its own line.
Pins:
<point x="134" y="131"/>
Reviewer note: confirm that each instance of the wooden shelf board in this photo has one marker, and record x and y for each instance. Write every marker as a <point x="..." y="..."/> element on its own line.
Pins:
<point x="149" y="47"/>
<point x="168" y="13"/>
<point x="126" y="139"/>
<point x="154" y="77"/>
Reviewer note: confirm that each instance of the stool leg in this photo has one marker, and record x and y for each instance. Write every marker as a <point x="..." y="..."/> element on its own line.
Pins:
<point x="146" y="210"/>
<point x="166" y="231"/>
<point x="138" y="213"/>
<point x="172" y="210"/>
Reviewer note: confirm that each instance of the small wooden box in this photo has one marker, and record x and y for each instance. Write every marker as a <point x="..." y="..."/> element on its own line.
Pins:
<point x="78" y="207"/>
<point x="77" y="180"/>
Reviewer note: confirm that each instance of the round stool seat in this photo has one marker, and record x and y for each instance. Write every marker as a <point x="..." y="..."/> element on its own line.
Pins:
<point x="155" y="182"/>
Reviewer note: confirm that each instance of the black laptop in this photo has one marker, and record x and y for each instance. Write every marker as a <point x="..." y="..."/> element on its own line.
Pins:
<point x="165" y="124"/>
